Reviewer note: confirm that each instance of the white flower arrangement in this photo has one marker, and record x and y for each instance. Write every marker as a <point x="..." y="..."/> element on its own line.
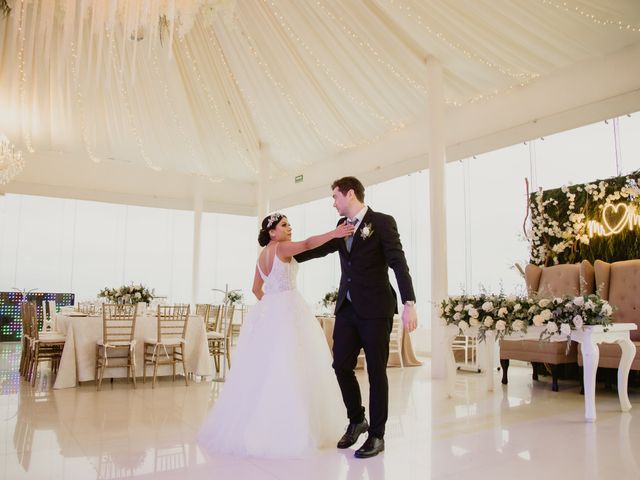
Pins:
<point x="127" y="294"/>
<point x="517" y="313"/>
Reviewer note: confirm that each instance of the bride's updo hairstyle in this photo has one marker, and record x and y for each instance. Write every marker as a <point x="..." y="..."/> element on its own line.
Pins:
<point x="268" y="224"/>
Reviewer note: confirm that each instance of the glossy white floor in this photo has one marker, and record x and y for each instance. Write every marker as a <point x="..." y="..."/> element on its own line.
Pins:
<point x="523" y="431"/>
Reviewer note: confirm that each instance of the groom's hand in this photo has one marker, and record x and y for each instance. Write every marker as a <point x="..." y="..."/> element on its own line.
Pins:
<point x="409" y="317"/>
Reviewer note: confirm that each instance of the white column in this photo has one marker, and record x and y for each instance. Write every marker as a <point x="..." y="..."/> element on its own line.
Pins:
<point x="197" y="223"/>
<point x="436" y="150"/>
<point x="263" y="206"/>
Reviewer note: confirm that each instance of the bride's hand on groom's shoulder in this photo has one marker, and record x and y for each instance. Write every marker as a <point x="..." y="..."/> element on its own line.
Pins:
<point x="344" y="230"/>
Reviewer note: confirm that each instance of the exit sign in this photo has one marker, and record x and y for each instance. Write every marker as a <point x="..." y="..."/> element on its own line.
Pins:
<point x="299" y="178"/>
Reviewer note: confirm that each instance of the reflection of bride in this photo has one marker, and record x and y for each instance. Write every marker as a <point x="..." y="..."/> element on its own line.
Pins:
<point x="281" y="398"/>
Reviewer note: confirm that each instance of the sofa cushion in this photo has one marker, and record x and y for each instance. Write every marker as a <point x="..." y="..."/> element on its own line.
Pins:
<point x="538" y="351"/>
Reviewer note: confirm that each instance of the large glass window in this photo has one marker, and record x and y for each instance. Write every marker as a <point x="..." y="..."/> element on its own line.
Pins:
<point x="630" y="142"/>
<point x="497" y="209"/>
<point x="576" y="156"/>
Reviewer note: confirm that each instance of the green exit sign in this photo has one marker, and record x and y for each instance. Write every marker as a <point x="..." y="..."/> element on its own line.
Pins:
<point x="299" y="178"/>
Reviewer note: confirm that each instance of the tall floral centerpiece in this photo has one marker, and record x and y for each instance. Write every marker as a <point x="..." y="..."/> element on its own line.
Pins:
<point x="127" y="294"/>
<point x="233" y="297"/>
<point x="329" y="300"/>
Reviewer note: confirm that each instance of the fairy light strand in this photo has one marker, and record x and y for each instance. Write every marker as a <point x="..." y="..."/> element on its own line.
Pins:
<point x="118" y="71"/>
<point x="184" y="47"/>
<point x="364" y="44"/>
<point x="365" y="105"/>
<point x="302" y="115"/>
<point x="79" y="99"/>
<point x="262" y="125"/>
<point x="26" y="129"/>
<point x="619" y="24"/>
<point x="520" y="76"/>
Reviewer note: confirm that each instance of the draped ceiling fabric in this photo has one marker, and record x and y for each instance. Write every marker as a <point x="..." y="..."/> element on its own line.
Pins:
<point x="205" y="88"/>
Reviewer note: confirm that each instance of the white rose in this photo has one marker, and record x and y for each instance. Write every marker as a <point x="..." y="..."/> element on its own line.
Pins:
<point x="577" y="321"/>
<point x="464" y="326"/>
<point x="589" y="305"/>
<point x="544" y="302"/>
<point x="517" y="307"/>
<point x="458" y="308"/>
<point x="488" y="322"/>
<point x="473" y="313"/>
<point x="537" y="320"/>
<point x="565" y="329"/>
<point x="456" y="317"/>
<point x="487" y="306"/>
<point x="501" y="325"/>
<point x="558" y="300"/>
<point x="578" y="301"/>
<point x="502" y="312"/>
<point x="474" y="322"/>
<point x="517" y="325"/>
<point x="606" y="309"/>
<point x="511" y="298"/>
<point x="546" y="314"/>
<point x="468" y="306"/>
<point x="552" y="327"/>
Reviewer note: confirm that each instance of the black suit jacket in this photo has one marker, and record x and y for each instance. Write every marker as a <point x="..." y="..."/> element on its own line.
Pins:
<point x="365" y="270"/>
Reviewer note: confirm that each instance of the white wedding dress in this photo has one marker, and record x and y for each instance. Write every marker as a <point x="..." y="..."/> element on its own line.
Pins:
<point x="281" y="398"/>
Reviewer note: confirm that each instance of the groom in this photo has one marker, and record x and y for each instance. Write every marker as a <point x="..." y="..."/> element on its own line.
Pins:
<point x="365" y="308"/>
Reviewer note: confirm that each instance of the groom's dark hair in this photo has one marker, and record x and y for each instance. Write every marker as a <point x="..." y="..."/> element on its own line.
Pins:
<point x="345" y="184"/>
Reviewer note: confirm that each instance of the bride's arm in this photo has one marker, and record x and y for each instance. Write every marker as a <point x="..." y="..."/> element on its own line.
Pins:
<point x="289" y="249"/>
<point x="257" y="284"/>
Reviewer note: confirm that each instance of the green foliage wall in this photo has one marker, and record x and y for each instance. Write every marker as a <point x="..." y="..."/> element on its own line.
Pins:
<point x="560" y="222"/>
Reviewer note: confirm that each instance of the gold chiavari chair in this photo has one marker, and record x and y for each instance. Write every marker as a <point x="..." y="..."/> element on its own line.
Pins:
<point x="203" y="310"/>
<point x="220" y="344"/>
<point x="169" y="345"/>
<point x="42" y="348"/>
<point x="116" y="349"/>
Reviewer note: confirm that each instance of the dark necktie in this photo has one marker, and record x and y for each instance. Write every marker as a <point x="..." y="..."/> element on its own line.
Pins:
<point x="349" y="239"/>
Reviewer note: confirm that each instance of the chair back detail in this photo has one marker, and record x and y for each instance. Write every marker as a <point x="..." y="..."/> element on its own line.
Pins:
<point x="118" y="323"/>
<point x="172" y="321"/>
<point x="203" y="310"/>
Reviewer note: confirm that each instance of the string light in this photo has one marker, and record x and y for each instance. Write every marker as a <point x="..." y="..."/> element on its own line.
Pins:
<point x="123" y="90"/>
<point x="619" y="24"/>
<point x="211" y="99"/>
<point x="363" y="43"/>
<point x="263" y="126"/>
<point x="26" y="129"/>
<point x="303" y="116"/>
<point x="83" y="121"/>
<point x="169" y="102"/>
<point x="521" y="76"/>
<point x="328" y="71"/>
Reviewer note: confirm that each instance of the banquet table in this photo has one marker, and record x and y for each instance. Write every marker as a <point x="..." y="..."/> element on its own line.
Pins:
<point x="589" y="336"/>
<point x="82" y="332"/>
<point x="327" y="322"/>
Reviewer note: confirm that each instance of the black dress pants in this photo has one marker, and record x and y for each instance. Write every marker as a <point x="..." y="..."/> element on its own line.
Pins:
<point x="350" y="334"/>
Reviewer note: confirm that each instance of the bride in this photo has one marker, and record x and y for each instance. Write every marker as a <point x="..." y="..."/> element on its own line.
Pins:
<point x="281" y="398"/>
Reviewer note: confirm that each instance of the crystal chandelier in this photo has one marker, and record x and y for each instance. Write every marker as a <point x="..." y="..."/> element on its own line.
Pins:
<point x="11" y="162"/>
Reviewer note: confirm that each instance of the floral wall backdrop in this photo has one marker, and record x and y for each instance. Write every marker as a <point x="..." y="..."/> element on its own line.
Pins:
<point x="591" y="221"/>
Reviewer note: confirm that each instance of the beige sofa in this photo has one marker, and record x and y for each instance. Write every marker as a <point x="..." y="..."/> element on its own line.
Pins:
<point x="548" y="282"/>
<point x="619" y="284"/>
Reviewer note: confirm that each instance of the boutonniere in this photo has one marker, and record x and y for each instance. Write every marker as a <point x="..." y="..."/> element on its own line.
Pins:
<point x="366" y="231"/>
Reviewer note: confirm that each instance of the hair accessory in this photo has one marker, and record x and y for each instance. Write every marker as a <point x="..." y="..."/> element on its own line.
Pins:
<point x="274" y="218"/>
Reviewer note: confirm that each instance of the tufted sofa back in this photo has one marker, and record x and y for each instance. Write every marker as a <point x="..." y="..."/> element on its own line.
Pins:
<point x="619" y="284"/>
<point x="558" y="280"/>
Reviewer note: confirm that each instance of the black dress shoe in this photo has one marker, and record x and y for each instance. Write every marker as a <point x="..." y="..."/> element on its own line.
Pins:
<point x="354" y="430"/>
<point x="370" y="448"/>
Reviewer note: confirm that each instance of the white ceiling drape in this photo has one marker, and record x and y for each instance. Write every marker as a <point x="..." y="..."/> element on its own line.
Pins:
<point x="206" y="87"/>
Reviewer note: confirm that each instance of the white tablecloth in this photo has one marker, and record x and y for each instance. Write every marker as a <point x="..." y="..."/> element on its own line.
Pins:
<point x="79" y="355"/>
